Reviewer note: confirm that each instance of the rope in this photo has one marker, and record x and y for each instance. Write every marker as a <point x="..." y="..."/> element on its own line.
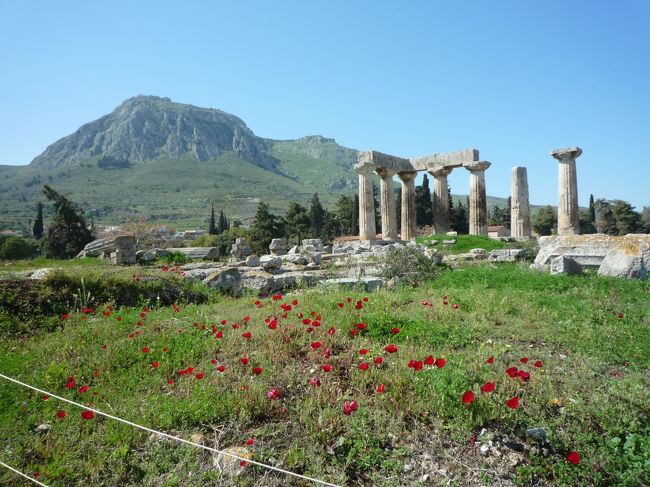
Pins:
<point x="22" y="474"/>
<point x="168" y="436"/>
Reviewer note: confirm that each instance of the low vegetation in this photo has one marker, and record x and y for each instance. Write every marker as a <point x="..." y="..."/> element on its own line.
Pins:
<point x="480" y="376"/>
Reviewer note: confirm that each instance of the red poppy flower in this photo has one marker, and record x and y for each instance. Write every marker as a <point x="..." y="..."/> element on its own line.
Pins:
<point x="441" y="362"/>
<point x="327" y="368"/>
<point x="87" y="414"/>
<point x="340" y="305"/>
<point x="513" y="403"/>
<point x="468" y="397"/>
<point x="359" y="305"/>
<point x="349" y="300"/>
<point x="316" y="345"/>
<point x="620" y="316"/>
<point x="349" y="407"/>
<point x="107" y="313"/>
<point x="155" y="365"/>
<point x="354" y="332"/>
<point x="395" y="330"/>
<point x="60" y="414"/>
<point x="573" y="457"/>
<point x="219" y="335"/>
<point x="488" y="387"/>
<point x="45" y="398"/>
<point x="273" y="394"/>
<point x="83" y="388"/>
<point x="70" y="384"/>
<point x="417" y="365"/>
<point x="445" y="303"/>
<point x="314" y="381"/>
<point x="391" y="348"/>
<point x="257" y="370"/>
<point x="361" y="326"/>
<point x="512" y="372"/>
<point x="426" y="303"/>
<point x="244" y="360"/>
<point x="490" y="360"/>
<point x="380" y="388"/>
<point x="525" y="376"/>
<point x="243" y="463"/>
<point x="165" y="350"/>
<point x="65" y="316"/>
<point x="524" y="360"/>
<point x="235" y="326"/>
<point x="538" y="364"/>
<point x="250" y="442"/>
<point x="379" y="360"/>
<point x="246" y="335"/>
<point x="331" y="331"/>
<point x="363" y="366"/>
<point x="306" y="321"/>
<point x="221" y="368"/>
<point x="170" y="381"/>
<point x="429" y="360"/>
<point x="145" y="349"/>
<point x="200" y="375"/>
<point x="213" y="361"/>
<point x="104" y="347"/>
<point x="363" y="351"/>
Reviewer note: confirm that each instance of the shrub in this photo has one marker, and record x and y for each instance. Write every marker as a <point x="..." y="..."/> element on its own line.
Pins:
<point x="14" y="248"/>
<point x="409" y="265"/>
<point x="176" y="258"/>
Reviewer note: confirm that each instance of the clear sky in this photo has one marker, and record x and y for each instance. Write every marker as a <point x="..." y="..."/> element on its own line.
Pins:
<point x="513" y="79"/>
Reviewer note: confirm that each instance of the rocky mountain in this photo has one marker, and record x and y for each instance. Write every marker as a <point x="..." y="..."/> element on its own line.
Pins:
<point x="168" y="162"/>
<point x="144" y="128"/>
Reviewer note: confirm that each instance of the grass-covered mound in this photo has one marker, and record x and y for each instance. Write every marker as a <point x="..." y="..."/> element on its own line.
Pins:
<point x="464" y="243"/>
<point x="580" y="349"/>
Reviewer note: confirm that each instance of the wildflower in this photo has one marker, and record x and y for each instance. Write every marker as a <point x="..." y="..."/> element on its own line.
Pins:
<point x="363" y="366"/>
<point x="155" y="364"/>
<point x="314" y="381"/>
<point x="363" y="351"/>
<point x="490" y="360"/>
<point x="468" y="397"/>
<point x="395" y="330"/>
<point x="380" y="388"/>
<point x="246" y="335"/>
<point x="331" y="331"/>
<point x="273" y="394"/>
<point x="350" y="407"/>
<point x="257" y="370"/>
<point x="250" y="442"/>
<point x="83" y="389"/>
<point x="488" y="387"/>
<point x="361" y="326"/>
<point x="512" y="372"/>
<point x="60" y="414"/>
<point x="145" y="349"/>
<point x="200" y="375"/>
<point x="316" y="345"/>
<point x="441" y="362"/>
<point x="213" y="361"/>
<point x="244" y="360"/>
<point x="430" y="360"/>
<point x="573" y="457"/>
<point x="378" y="360"/>
<point x="87" y="414"/>
<point x="327" y="368"/>
<point x="221" y="368"/>
<point x="538" y="364"/>
<point x="513" y="403"/>
<point x="524" y="360"/>
<point x="391" y="348"/>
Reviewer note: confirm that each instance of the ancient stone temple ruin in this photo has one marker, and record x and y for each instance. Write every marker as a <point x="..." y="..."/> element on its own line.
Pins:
<point x="439" y="166"/>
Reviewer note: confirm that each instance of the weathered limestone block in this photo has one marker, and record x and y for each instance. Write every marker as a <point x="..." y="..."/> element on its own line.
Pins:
<point x="309" y="244"/>
<point x="565" y="265"/>
<point x="506" y="255"/>
<point x="252" y="261"/>
<point x="627" y="256"/>
<point x="226" y="280"/>
<point x="196" y="252"/>
<point x="278" y="246"/>
<point x="199" y="274"/>
<point x="270" y="262"/>
<point x="366" y="282"/>
<point x="120" y="249"/>
<point x="240" y="249"/>
<point x="42" y="273"/>
<point x="258" y="282"/>
<point x="616" y="264"/>
<point x="297" y="259"/>
<point x="145" y="256"/>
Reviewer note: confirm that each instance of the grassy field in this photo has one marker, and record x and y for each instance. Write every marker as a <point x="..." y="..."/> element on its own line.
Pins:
<point x="582" y="345"/>
<point x="463" y="244"/>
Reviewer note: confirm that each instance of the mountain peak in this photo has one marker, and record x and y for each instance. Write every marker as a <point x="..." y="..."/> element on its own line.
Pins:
<point x="144" y="128"/>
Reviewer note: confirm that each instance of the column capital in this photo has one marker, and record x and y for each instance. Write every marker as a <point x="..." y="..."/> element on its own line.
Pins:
<point x="477" y="166"/>
<point x="385" y="172"/>
<point x="407" y="176"/>
<point x="566" y="154"/>
<point x="441" y="171"/>
<point x="364" y="168"/>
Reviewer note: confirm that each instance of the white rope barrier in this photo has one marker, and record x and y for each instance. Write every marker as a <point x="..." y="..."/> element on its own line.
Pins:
<point x="22" y="474"/>
<point x="168" y="436"/>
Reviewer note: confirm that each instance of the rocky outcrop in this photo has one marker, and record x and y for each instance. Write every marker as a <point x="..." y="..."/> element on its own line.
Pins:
<point x="627" y="256"/>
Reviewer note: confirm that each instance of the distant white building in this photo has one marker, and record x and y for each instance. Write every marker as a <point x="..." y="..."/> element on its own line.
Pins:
<point x="497" y="231"/>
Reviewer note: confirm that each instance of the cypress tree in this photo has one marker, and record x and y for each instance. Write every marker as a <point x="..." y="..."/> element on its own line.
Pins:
<point x="37" y="229"/>
<point x="592" y="209"/>
<point x="68" y="233"/>
<point x="212" y="230"/>
<point x="317" y="216"/>
<point x="355" y="215"/>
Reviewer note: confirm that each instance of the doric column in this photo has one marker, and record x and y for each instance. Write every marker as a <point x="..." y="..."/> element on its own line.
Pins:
<point x="388" y="210"/>
<point x="568" y="213"/>
<point x="367" y="229"/>
<point x="477" y="198"/>
<point x="409" y="225"/>
<point x="519" y="206"/>
<point x="441" y="221"/>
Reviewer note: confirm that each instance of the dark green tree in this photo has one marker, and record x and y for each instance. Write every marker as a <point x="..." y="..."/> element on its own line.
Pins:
<point x="355" y="215"/>
<point x="331" y="227"/>
<point x="375" y="200"/>
<point x="592" y="209"/>
<point x="317" y="216"/>
<point x="645" y="219"/>
<point x="345" y="213"/>
<point x="586" y="226"/>
<point x="266" y="227"/>
<point x="459" y="219"/>
<point x="605" y="221"/>
<point x="222" y="224"/>
<point x="212" y="229"/>
<point x="37" y="229"/>
<point x="423" y="203"/>
<point x="68" y="233"/>
<point x="545" y="221"/>
<point x="627" y="219"/>
<point x="297" y="222"/>
<point x="15" y="248"/>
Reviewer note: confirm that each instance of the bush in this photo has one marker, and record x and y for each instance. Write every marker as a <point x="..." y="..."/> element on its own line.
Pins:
<point x="15" y="248"/>
<point x="175" y="258"/>
<point x="409" y="265"/>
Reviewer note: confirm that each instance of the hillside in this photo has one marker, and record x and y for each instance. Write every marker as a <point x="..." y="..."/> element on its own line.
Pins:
<point x="169" y="161"/>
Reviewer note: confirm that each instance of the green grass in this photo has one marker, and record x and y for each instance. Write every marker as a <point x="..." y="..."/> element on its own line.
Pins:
<point x="591" y="395"/>
<point x="464" y="243"/>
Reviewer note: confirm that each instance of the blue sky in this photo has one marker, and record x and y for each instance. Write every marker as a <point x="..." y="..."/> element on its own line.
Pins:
<point x="513" y="79"/>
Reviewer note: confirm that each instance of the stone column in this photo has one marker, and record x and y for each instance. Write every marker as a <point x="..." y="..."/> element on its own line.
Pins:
<point x="477" y="198"/>
<point x="568" y="213"/>
<point x="367" y="229"/>
<point x="441" y="222"/>
<point x="409" y="224"/>
<point x="519" y="206"/>
<point x="388" y="210"/>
